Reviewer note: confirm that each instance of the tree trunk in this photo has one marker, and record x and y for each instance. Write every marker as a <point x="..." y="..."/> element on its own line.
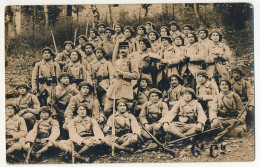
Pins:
<point x="17" y="19"/>
<point x="173" y="16"/>
<point x="196" y="10"/>
<point x="45" y="8"/>
<point x="69" y="23"/>
<point x="110" y="15"/>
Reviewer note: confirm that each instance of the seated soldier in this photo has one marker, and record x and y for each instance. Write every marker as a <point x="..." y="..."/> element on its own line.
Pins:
<point x="172" y="95"/>
<point x="27" y="104"/>
<point x="141" y="94"/>
<point x="16" y="129"/>
<point x="44" y="133"/>
<point x="127" y="129"/>
<point x="227" y="105"/>
<point x="152" y="112"/>
<point x="84" y="131"/>
<point x="186" y="117"/>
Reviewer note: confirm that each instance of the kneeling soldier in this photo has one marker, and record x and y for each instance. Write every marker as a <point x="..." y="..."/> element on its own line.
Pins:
<point x="187" y="115"/>
<point x="127" y="129"/>
<point x="44" y="133"/>
<point x="15" y="129"/>
<point x="84" y="131"/>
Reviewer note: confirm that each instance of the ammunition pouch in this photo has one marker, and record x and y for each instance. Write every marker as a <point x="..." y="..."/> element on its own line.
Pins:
<point x="187" y="119"/>
<point x="42" y="135"/>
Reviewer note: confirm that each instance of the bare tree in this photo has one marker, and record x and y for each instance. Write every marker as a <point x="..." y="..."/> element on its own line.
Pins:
<point x="45" y="9"/>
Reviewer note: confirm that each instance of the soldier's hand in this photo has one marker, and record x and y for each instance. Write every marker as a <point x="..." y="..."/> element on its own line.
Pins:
<point x="147" y="127"/>
<point x="27" y="146"/>
<point x="101" y="120"/>
<point x="135" y="138"/>
<point x="49" y="144"/>
<point x="119" y="72"/>
<point x="85" y="142"/>
<point x="199" y="127"/>
<point x="199" y="98"/>
<point x="215" y="123"/>
<point x="166" y="127"/>
<point x="157" y="126"/>
<point x="251" y="108"/>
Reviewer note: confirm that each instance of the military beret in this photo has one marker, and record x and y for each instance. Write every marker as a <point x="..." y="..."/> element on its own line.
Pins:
<point x="123" y="44"/>
<point x="46" y="109"/>
<point x="216" y="31"/>
<point x="95" y="31"/>
<point x="174" y="23"/>
<point x="48" y="49"/>
<point x="85" y="83"/>
<point x="110" y="29"/>
<point x="11" y="103"/>
<point x="148" y="22"/>
<point x="190" y="90"/>
<point x="121" y="101"/>
<point x="182" y="39"/>
<point x="203" y="73"/>
<point x="238" y="69"/>
<point x="68" y="42"/>
<point x="189" y="26"/>
<point x="75" y="50"/>
<point x="178" y="78"/>
<point x="101" y="24"/>
<point x="146" y="41"/>
<point x="194" y="34"/>
<point x="131" y="30"/>
<point x="166" y="28"/>
<point x="90" y="44"/>
<point x="63" y="74"/>
<point x="167" y="38"/>
<point x="100" y="48"/>
<point x="227" y="81"/>
<point x="155" y="32"/>
<point x="202" y="28"/>
<point x="118" y="24"/>
<point x="149" y="82"/>
<point x="143" y="27"/>
<point x="22" y="84"/>
<point x="157" y="91"/>
<point x="84" y="37"/>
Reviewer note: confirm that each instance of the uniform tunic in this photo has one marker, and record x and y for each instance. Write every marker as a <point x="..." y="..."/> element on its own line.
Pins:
<point x="76" y="71"/>
<point x="173" y="95"/>
<point x="95" y="41"/>
<point x="63" y="58"/>
<point x="28" y="101"/>
<point x="207" y="90"/>
<point x="86" y="59"/>
<point x="108" y="46"/>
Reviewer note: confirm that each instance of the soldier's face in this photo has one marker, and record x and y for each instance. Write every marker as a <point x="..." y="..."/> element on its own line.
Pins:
<point x="174" y="81"/>
<point x="82" y="41"/>
<point x="82" y="111"/>
<point x="22" y="90"/>
<point x="173" y="27"/>
<point x="9" y="111"/>
<point x="224" y="86"/>
<point x="65" y="80"/>
<point x="99" y="54"/>
<point x="140" y="31"/>
<point x="108" y="34"/>
<point x="178" y="41"/>
<point x="143" y="46"/>
<point x="92" y="34"/>
<point x="121" y="107"/>
<point x="84" y="90"/>
<point x="154" y="97"/>
<point x="46" y="55"/>
<point x="201" y="79"/>
<point x="236" y="75"/>
<point x="187" y="96"/>
<point x="186" y="30"/>
<point x="152" y="36"/>
<point x="163" y="32"/>
<point x="191" y="38"/>
<point x="124" y="50"/>
<point x="68" y="47"/>
<point x="118" y="29"/>
<point x="143" y="84"/>
<point x="148" y="27"/>
<point x="101" y="29"/>
<point x="74" y="56"/>
<point x="44" y="115"/>
<point x="215" y="37"/>
<point x="127" y="33"/>
<point x="165" y="42"/>
<point x="88" y="49"/>
<point x="202" y="34"/>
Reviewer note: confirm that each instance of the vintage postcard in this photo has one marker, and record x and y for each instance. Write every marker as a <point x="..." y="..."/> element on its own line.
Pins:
<point x="129" y="83"/>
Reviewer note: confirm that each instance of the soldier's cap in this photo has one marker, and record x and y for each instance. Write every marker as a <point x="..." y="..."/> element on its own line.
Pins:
<point x="190" y="90"/>
<point x="11" y="103"/>
<point x="203" y="73"/>
<point x="68" y="42"/>
<point x="148" y="80"/>
<point x="63" y="74"/>
<point x="155" y="90"/>
<point x="89" y="44"/>
<point x="167" y="38"/>
<point x="131" y="29"/>
<point x="155" y="32"/>
<point x="95" y="31"/>
<point x="100" y="48"/>
<point x="189" y="26"/>
<point x="84" y="37"/>
<point x="75" y="50"/>
<point x="85" y="83"/>
<point x="48" y="49"/>
<point x="126" y="102"/>
<point x="101" y="24"/>
<point x="238" y="69"/>
<point x="203" y="28"/>
<point x="227" y="81"/>
<point x="166" y="28"/>
<point x="146" y="41"/>
<point x="178" y="78"/>
<point x="148" y="22"/>
<point x="174" y="23"/>
<point x="85" y="106"/>
<point x="118" y="24"/>
<point x="123" y="44"/>
<point x="216" y="31"/>
<point x="179" y="36"/>
<point x="195" y="35"/>
<point x="46" y="109"/>
<point x="109" y="29"/>
<point x="22" y="84"/>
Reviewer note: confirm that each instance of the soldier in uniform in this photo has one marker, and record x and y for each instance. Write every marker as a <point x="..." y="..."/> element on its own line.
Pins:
<point x="149" y="26"/>
<point x="186" y="117"/>
<point x="16" y="129"/>
<point x="245" y="91"/>
<point x="94" y="37"/>
<point x="84" y="96"/>
<point x="101" y="31"/>
<point x="179" y="49"/>
<point x="203" y="39"/>
<point x="140" y="34"/>
<point x="153" y="37"/>
<point x="45" y="73"/>
<point x="227" y="105"/>
<point x="118" y="33"/>
<point x="164" y="32"/>
<point x="75" y="69"/>
<point x="100" y="74"/>
<point x="44" y="134"/>
<point x="174" y="30"/>
<point x="63" y="58"/>
<point x="125" y="70"/>
<point x="108" y="43"/>
<point x="84" y="133"/>
<point x="152" y="112"/>
<point x="173" y="94"/>
<point x="88" y="55"/>
<point x="27" y="104"/>
<point x="127" y="129"/>
<point x="82" y="40"/>
<point x="187" y="28"/>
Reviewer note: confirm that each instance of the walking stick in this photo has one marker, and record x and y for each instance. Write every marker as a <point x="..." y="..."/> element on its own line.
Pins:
<point x="53" y="39"/>
<point x="87" y="29"/>
<point x="75" y="36"/>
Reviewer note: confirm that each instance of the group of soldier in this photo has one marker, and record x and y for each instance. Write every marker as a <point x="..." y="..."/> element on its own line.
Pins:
<point x="118" y="86"/>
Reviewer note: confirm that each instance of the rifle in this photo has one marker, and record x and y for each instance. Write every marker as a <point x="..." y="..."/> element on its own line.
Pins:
<point x="53" y="39"/>
<point x="26" y="161"/>
<point x="113" y="126"/>
<point x="72" y="152"/>
<point x="87" y="29"/>
<point x="232" y="125"/>
<point x="75" y="36"/>
<point x="53" y="93"/>
<point x="159" y="143"/>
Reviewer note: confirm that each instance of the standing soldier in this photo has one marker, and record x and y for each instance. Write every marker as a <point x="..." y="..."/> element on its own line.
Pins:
<point x="164" y="32"/>
<point x="152" y="112"/>
<point x="45" y="73"/>
<point x="187" y="28"/>
<point x="44" y="134"/>
<point x="140" y="34"/>
<point x="118" y="32"/>
<point x="63" y="58"/>
<point x="82" y="40"/>
<point x="246" y="92"/>
<point x="84" y="131"/>
<point x="101" y="31"/>
<point x="27" y="104"/>
<point x="125" y="70"/>
<point x="75" y="69"/>
<point x="227" y="105"/>
<point x="127" y="130"/>
<point x="186" y="117"/>
<point x="16" y="129"/>
<point x="204" y="41"/>
<point x="149" y="26"/>
<point x="174" y="30"/>
<point x="88" y="55"/>
<point x="100" y="75"/>
<point x="153" y="37"/>
<point x="94" y="37"/>
<point x="108" y="43"/>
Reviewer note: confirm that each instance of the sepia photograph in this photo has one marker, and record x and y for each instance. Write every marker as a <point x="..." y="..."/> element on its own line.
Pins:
<point x="129" y="83"/>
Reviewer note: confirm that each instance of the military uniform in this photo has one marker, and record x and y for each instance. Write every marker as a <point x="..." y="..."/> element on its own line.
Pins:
<point x="108" y="46"/>
<point x="244" y="89"/>
<point x="140" y="98"/>
<point x="116" y="37"/>
<point x="86" y="59"/>
<point x="63" y="58"/>
<point x="174" y="34"/>
<point x="95" y="41"/>
<point x="77" y="71"/>
<point x="155" y="46"/>
<point x="173" y="95"/>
